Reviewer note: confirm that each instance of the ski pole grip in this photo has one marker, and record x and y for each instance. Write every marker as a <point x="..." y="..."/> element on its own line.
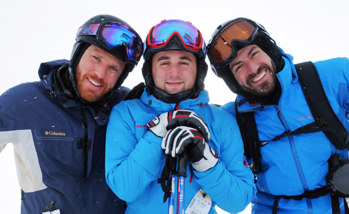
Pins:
<point x="182" y="164"/>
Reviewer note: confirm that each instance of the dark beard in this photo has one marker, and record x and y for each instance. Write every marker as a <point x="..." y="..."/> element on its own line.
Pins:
<point x="266" y="87"/>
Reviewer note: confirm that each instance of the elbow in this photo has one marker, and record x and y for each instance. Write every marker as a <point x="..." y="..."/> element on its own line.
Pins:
<point x="120" y="188"/>
<point x="250" y="194"/>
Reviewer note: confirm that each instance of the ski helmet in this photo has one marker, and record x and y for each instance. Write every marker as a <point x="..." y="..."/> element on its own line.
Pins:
<point x="232" y="36"/>
<point x="112" y="35"/>
<point x="174" y="35"/>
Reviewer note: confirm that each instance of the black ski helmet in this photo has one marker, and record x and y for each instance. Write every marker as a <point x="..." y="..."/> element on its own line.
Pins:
<point x="85" y="38"/>
<point x="254" y="33"/>
<point x="177" y="37"/>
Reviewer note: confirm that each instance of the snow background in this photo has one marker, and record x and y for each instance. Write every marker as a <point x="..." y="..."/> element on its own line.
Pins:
<point x="42" y="30"/>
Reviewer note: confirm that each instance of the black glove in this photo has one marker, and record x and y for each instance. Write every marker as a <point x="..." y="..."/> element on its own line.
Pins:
<point x="169" y="120"/>
<point x="185" y="138"/>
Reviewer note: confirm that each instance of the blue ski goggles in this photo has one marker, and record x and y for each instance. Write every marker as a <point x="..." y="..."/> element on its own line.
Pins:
<point x="114" y="35"/>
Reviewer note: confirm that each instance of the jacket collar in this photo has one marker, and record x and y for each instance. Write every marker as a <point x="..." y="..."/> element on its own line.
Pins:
<point x="46" y="72"/>
<point x="161" y="107"/>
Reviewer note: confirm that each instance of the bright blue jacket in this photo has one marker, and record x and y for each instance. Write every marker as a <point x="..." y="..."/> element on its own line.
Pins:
<point x="55" y="169"/>
<point x="135" y="160"/>
<point x="297" y="163"/>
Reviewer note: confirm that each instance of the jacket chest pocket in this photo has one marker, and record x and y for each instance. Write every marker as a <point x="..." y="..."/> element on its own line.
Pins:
<point x="58" y="149"/>
<point x="53" y="135"/>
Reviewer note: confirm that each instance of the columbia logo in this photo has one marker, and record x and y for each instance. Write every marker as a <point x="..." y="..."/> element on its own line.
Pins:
<point x="55" y="133"/>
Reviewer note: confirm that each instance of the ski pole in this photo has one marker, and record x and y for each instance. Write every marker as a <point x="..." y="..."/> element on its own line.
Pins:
<point x="171" y="199"/>
<point x="182" y="169"/>
<point x="172" y="164"/>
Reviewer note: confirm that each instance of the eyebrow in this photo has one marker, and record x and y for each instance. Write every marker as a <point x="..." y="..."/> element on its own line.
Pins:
<point x="163" y="58"/>
<point x="185" y="58"/>
<point x="166" y="57"/>
<point x="249" y="53"/>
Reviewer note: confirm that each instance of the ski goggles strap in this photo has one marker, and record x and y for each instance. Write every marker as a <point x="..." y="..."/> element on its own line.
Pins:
<point x="161" y="33"/>
<point x="113" y="35"/>
<point x="221" y="48"/>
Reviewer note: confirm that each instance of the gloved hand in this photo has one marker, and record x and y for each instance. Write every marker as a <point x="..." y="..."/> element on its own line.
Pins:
<point x="181" y="137"/>
<point x="158" y="125"/>
<point x="169" y="120"/>
<point x="208" y="161"/>
<point x="199" y="152"/>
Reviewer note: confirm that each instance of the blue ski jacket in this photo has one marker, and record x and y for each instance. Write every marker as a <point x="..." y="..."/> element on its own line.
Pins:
<point x="297" y="163"/>
<point x="59" y="147"/>
<point x="135" y="160"/>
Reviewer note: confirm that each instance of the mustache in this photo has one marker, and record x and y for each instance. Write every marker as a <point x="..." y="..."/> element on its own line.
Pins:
<point x="174" y="79"/>
<point x="259" y="70"/>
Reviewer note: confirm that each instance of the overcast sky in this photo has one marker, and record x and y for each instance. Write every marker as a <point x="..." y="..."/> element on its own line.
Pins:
<point x="37" y="31"/>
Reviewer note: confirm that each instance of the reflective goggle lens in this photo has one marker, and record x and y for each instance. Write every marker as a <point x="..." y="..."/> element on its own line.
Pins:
<point x="240" y="30"/>
<point x="163" y="31"/>
<point x="88" y="30"/>
<point x="114" y="35"/>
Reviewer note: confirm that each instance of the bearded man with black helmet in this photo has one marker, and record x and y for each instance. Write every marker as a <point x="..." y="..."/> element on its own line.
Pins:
<point x="58" y="125"/>
<point x="171" y="118"/>
<point x="293" y="166"/>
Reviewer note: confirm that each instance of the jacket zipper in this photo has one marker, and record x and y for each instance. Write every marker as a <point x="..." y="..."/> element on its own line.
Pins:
<point x="86" y="140"/>
<point x="295" y="158"/>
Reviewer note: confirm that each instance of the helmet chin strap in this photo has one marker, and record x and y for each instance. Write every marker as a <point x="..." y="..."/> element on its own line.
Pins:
<point x="173" y="98"/>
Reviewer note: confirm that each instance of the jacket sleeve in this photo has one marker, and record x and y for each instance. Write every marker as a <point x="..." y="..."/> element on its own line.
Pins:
<point x="334" y="75"/>
<point x="230" y="183"/>
<point x="7" y="120"/>
<point x="131" y="163"/>
<point x="345" y="70"/>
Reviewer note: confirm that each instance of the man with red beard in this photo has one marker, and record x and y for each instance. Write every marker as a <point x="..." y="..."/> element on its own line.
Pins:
<point x="58" y="125"/>
<point x="293" y="167"/>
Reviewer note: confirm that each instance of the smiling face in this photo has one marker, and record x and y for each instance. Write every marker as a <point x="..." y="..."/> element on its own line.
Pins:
<point x="254" y="70"/>
<point x="174" y="71"/>
<point x="97" y="73"/>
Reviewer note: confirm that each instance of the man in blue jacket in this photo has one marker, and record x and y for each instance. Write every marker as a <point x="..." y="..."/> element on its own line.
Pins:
<point x="138" y="141"/>
<point x="265" y="79"/>
<point x="58" y="125"/>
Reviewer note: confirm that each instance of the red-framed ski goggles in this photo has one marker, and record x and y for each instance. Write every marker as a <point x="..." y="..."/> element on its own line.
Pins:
<point x="189" y="35"/>
<point x="222" y="49"/>
<point x="113" y="35"/>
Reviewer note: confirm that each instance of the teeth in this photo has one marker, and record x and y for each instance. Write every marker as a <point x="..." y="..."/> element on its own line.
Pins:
<point x="259" y="77"/>
<point x="93" y="82"/>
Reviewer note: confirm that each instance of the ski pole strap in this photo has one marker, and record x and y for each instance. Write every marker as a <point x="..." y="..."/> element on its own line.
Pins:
<point x="182" y="164"/>
<point x="170" y="169"/>
<point x="166" y="176"/>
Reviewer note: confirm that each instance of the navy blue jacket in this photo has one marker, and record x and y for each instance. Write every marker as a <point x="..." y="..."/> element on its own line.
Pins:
<point x="59" y="147"/>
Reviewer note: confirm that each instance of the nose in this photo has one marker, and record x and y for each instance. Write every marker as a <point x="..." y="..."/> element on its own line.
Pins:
<point x="101" y="71"/>
<point x="251" y="67"/>
<point x="174" y="70"/>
